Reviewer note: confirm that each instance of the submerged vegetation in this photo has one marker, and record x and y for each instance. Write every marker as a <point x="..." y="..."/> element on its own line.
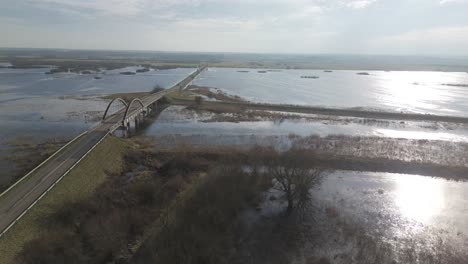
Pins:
<point x="132" y="202"/>
<point x="179" y="207"/>
<point x="208" y="205"/>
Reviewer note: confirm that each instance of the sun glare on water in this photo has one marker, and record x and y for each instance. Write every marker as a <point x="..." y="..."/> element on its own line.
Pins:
<point x="415" y="91"/>
<point x="419" y="198"/>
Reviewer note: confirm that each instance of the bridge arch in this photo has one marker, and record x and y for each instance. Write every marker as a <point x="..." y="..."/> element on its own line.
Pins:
<point x="130" y="105"/>
<point x="111" y="102"/>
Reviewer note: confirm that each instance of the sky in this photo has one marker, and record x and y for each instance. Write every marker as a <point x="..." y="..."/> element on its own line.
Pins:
<point x="394" y="27"/>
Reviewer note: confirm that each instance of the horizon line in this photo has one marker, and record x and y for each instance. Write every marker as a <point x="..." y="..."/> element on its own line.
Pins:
<point x="238" y="52"/>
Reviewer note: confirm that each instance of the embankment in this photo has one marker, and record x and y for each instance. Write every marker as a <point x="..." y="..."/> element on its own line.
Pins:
<point x="80" y="183"/>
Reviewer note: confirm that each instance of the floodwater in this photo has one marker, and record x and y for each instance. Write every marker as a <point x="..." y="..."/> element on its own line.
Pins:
<point x="190" y="127"/>
<point x="395" y="208"/>
<point x="368" y="217"/>
<point x="36" y="107"/>
<point x="414" y="91"/>
<point x="31" y="82"/>
<point x="404" y="212"/>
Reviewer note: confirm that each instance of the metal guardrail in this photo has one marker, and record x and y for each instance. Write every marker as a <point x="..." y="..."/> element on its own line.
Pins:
<point x="52" y="186"/>
<point x="42" y="163"/>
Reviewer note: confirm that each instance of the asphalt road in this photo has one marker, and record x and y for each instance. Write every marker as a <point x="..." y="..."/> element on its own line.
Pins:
<point x="21" y="197"/>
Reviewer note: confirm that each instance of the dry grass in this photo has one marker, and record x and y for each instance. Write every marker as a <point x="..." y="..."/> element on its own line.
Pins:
<point x="201" y="226"/>
<point x="79" y="184"/>
<point x="26" y="155"/>
<point x="409" y="150"/>
<point x="128" y="97"/>
<point x="183" y="97"/>
<point x="218" y="95"/>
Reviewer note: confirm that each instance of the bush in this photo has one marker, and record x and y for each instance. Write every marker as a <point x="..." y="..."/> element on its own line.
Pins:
<point x="53" y="248"/>
<point x="203" y="225"/>
<point x="198" y="100"/>
<point x="157" y="89"/>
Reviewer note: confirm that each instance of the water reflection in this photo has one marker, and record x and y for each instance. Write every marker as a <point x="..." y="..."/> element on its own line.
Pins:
<point x="461" y="135"/>
<point x="402" y="216"/>
<point x="415" y="91"/>
<point x="419" y="198"/>
<point x="401" y="202"/>
<point x="422" y="92"/>
<point x="176" y="121"/>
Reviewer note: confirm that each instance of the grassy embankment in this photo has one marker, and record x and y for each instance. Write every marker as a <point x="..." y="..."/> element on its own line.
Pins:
<point x="25" y="156"/>
<point x="79" y="184"/>
<point x="28" y="156"/>
<point x="201" y="192"/>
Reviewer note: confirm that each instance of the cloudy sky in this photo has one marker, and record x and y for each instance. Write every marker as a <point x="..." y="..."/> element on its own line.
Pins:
<point x="424" y="27"/>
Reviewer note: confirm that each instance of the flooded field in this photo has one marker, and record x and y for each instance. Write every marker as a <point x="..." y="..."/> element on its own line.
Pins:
<point x="412" y="142"/>
<point x="353" y="211"/>
<point x="388" y="217"/>
<point x="366" y="217"/>
<point x="440" y="93"/>
<point x="38" y="107"/>
<point x="32" y="96"/>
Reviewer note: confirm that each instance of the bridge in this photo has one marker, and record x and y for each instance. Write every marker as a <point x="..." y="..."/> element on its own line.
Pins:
<point x="26" y="192"/>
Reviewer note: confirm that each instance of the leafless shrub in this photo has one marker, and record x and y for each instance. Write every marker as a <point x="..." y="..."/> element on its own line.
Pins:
<point x="294" y="177"/>
<point x="198" y="100"/>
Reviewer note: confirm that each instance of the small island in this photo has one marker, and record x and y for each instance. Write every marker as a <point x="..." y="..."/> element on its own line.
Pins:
<point x="143" y="70"/>
<point x="309" y="77"/>
<point x="362" y="73"/>
<point x="128" y="73"/>
<point x="455" y="84"/>
<point x="262" y="71"/>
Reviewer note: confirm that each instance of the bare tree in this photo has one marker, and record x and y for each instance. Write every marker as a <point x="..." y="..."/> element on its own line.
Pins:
<point x="198" y="100"/>
<point x="294" y="177"/>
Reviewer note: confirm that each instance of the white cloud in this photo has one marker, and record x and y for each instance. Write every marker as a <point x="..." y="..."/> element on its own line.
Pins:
<point x="440" y="40"/>
<point x="343" y="26"/>
<point x="112" y="7"/>
<point x="360" y="4"/>
<point x="443" y="2"/>
<point x="216" y="24"/>
<point x="307" y="12"/>
<point x="127" y="8"/>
